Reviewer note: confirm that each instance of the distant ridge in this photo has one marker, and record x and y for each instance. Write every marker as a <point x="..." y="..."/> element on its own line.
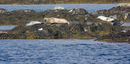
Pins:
<point x="60" y="1"/>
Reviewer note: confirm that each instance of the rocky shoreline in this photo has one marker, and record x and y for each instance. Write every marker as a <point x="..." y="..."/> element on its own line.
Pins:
<point x="82" y="25"/>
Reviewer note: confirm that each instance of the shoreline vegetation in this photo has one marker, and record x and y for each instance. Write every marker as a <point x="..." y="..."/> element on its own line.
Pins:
<point x="16" y="2"/>
<point x="76" y="23"/>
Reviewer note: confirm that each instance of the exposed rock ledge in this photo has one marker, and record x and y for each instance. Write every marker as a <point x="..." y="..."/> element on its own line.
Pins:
<point x="124" y="5"/>
<point x="83" y="25"/>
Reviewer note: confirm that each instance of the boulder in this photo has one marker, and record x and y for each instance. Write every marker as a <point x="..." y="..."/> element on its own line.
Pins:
<point x="114" y="17"/>
<point x="120" y="37"/>
<point x="3" y="31"/>
<point x="18" y="17"/>
<point x="17" y="11"/>
<point x="3" y="11"/>
<point x="59" y="8"/>
<point x="125" y="29"/>
<point x="69" y="16"/>
<point x="28" y="11"/>
<point x="23" y="11"/>
<point x="123" y="5"/>
<point x="78" y="11"/>
<point x="101" y="12"/>
<point x="50" y="31"/>
<point x="118" y="23"/>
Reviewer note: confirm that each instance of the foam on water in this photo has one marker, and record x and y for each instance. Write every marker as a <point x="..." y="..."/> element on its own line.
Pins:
<point x="63" y="51"/>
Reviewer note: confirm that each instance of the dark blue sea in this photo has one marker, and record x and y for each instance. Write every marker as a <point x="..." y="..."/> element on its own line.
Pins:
<point x="62" y="51"/>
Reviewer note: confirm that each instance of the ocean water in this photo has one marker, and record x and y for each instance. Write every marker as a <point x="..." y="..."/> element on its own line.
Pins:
<point x="40" y="8"/>
<point x="7" y="27"/>
<point x="62" y="51"/>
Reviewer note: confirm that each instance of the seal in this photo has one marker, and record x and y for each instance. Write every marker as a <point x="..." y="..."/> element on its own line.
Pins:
<point x="33" y="23"/>
<point x="55" y="20"/>
<point x="108" y="19"/>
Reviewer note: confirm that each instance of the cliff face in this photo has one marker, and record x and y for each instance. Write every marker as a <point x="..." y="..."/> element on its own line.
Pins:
<point x="59" y="1"/>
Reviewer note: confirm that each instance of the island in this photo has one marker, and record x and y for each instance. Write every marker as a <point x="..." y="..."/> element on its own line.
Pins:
<point x="103" y="25"/>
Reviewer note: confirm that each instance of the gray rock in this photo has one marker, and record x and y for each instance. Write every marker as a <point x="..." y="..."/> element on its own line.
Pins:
<point x="58" y="25"/>
<point x="124" y="5"/>
<point x="74" y="22"/>
<point x="115" y="17"/>
<point x="94" y="13"/>
<point x="78" y="11"/>
<point x="27" y="10"/>
<point x="126" y="16"/>
<point x="3" y="11"/>
<point x="118" y="23"/>
<point x="59" y="8"/>
<point x="46" y="32"/>
<point x="43" y="22"/>
<point x="22" y="11"/>
<point x="17" y="11"/>
<point x="89" y="23"/>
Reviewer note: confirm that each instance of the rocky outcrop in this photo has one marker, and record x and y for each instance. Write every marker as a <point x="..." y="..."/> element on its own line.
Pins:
<point x="3" y="11"/>
<point x="85" y="30"/>
<point x="1" y="31"/>
<point x="118" y="37"/>
<point x="50" y="31"/>
<point x="118" y="23"/>
<point x="28" y="11"/>
<point x="59" y="8"/>
<point x="121" y="12"/>
<point x="23" y="11"/>
<point x="78" y="11"/>
<point x="19" y="17"/>
<point x="123" y="5"/>
<point x="122" y="35"/>
<point x="81" y="24"/>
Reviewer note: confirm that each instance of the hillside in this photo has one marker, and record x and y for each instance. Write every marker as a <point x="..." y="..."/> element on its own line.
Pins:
<point x="60" y="1"/>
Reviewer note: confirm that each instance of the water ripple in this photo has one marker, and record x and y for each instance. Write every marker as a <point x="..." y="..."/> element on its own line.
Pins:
<point x="44" y="51"/>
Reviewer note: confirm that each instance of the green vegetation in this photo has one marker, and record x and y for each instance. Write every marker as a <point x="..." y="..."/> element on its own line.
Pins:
<point x="59" y="1"/>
